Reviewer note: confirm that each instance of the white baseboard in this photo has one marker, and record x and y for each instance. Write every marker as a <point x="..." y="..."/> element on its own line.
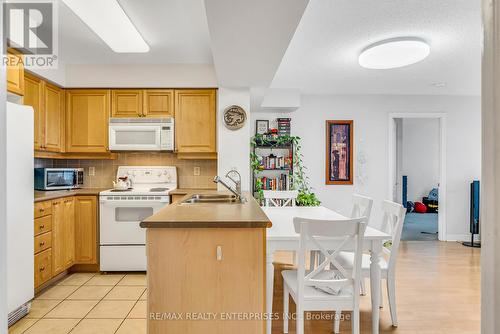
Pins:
<point x="461" y="237"/>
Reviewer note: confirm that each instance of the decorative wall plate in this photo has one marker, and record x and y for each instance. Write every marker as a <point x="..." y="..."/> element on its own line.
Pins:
<point x="234" y="117"/>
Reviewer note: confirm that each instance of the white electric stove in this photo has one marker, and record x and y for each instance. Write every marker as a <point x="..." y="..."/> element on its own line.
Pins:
<point x="122" y="240"/>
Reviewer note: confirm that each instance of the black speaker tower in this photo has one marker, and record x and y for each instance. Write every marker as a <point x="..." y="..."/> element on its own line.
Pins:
<point x="474" y="214"/>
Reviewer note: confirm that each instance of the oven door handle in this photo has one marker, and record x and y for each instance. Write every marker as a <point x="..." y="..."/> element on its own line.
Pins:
<point x="132" y="203"/>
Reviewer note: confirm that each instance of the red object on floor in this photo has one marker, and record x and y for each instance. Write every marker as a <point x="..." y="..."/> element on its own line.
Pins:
<point x="420" y="207"/>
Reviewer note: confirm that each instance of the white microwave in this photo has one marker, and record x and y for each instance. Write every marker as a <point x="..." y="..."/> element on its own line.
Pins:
<point x="141" y="134"/>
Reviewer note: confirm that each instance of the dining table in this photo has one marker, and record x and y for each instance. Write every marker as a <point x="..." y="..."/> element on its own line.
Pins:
<point x="282" y="237"/>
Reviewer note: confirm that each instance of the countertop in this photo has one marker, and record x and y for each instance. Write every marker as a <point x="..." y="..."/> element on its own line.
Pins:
<point x="41" y="196"/>
<point x="209" y="215"/>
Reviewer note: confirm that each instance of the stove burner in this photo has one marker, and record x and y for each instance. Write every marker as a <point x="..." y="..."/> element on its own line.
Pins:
<point x="158" y="189"/>
<point x="120" y="190"/>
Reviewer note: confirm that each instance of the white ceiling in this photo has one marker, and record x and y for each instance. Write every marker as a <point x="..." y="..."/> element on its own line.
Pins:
<point x="322" y="57"/>
<point x="176" y="31"/>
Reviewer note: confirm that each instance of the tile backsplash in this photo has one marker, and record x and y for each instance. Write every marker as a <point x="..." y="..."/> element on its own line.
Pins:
<point x="105" y="170"/>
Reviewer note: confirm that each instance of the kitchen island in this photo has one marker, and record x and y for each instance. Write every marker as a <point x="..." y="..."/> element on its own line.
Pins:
<point x="206" y="267"/>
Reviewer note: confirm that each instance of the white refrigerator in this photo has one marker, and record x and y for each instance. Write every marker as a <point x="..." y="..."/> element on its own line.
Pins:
<point x="20" y="197"/>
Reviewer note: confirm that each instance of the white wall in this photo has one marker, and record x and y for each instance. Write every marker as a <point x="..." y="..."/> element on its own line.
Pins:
<point x="147" y="76"/>
<point x="420" y="155"/>
<point x="233" y="147"/>
<point x="370" y="115"/>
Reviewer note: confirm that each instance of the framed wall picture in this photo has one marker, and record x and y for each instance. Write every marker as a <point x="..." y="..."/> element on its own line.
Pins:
<point x="261" y="126"/>
<point x="339" y="152"/>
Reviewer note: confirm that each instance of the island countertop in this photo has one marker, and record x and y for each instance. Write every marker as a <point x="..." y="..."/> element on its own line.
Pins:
<point x="210" y="215"/>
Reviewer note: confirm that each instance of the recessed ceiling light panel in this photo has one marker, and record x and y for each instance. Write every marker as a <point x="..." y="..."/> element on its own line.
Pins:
<point x="394" y="53"/>
<point x="108" y="20"/>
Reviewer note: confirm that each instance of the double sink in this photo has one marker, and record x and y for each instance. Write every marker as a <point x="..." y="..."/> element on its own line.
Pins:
<point x="213" y="198"/>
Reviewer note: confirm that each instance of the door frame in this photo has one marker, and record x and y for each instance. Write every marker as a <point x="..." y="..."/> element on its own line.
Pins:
<point x="442" y="231"/>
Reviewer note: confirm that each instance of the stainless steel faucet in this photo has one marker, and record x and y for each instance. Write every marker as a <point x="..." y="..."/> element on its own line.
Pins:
<point x="237" y="183"/>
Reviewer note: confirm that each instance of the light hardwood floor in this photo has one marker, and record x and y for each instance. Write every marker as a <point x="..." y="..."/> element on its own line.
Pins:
<point x="438" y="292"/>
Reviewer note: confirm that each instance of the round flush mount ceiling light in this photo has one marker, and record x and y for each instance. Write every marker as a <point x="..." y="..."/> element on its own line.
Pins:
<point x="394" y="53"/>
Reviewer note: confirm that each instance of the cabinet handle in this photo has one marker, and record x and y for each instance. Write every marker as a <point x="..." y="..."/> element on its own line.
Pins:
<point x="41" y="210"/>
<point x="41" y="227"/>
<point x="219" y="253"/>
<point x="42" y="268"/>
<point x="42" y="243"/>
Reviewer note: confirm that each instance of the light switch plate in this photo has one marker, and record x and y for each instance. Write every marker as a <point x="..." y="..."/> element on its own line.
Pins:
<point x="197" y="171"/>
<point x="91" y="171"/>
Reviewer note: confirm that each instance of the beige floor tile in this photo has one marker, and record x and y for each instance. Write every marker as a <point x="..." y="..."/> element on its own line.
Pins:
<point x="21" y="326"/>
<point x="97" y="326"/>
<point x="40" y="307"/>
<point x="111" y="309"/>
<point x="134" y="279"/>
<point x="90" y="292"/>
<point x="76" y="279"/>
<point x="132" y="326"/>
<point x="52" y="326"/>
<point x="104" y="279"/>
<point x="72" y="309"/>
<point x="139" y="310"/>
<point x="58" y="292"/>
<point x="144" y="295"/>
<point x="125" y="293"/>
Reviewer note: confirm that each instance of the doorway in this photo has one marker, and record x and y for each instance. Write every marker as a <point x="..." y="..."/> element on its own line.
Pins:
<point x="417" y="172"/>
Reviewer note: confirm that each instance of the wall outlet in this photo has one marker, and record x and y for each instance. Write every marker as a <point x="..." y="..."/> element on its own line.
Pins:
<point x="197" y="171"/>
<point x="91" y="171"/>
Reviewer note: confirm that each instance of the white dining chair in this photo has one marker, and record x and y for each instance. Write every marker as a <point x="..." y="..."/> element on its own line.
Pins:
<point x="320" y="289"/>
<point x="280" y="197"/>
<point x="392" y="223"/>
<point x="361" y="207"/>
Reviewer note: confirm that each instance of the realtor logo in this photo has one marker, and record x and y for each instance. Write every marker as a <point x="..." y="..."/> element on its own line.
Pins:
<point x="30" y="28"/>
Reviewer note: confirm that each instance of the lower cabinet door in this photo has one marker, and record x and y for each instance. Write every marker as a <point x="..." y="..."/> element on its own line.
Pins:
<point x="63" y="234"/>
<point x="86" y="230"/>
<point x="69" y="232"/>
<point x="43" y="267"/>
<point x="58" y="236"/>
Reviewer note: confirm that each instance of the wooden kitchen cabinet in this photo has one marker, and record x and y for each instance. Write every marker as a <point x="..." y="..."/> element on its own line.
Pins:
<point x="195" y="120"/>
<point x="54" y="125"/>
<point x="158" y="103"/>
<point x="86" y="230"/>
<point x="47" y="101"/>
<point x="219" y="270"/>
<point x="33" y="96"/>
<point x="15" y="72"/>
<point x="43" y="267"/>
<point x="63" y="234"/>
<point x="126" y="103"/>
<point x="152" y="103"/>
<point x="87" y="117"/>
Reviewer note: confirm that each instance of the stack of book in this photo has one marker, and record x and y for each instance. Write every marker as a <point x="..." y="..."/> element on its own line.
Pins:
<point x="275" y="183"/>
<point x="274" y="162"/>
<point x="284" y="126"/>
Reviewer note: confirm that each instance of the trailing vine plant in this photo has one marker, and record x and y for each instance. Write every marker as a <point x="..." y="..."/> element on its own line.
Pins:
<point x="299" y="180"/>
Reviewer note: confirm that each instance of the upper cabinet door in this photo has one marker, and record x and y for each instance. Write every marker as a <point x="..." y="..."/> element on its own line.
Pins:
<point x="33" y="96"/>
<point x="159" y="103"/>
<point x="195" y="119"/>
<point x="126" y="103"/>
<point x="87" y="116"/>
<point x="15" y="73"/>
<point x="54" y="118"/>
